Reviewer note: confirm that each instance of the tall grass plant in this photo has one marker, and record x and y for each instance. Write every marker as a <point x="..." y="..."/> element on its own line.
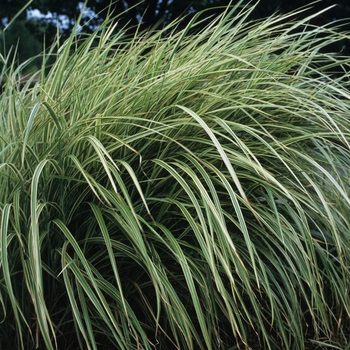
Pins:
<point x="179" y="189"/>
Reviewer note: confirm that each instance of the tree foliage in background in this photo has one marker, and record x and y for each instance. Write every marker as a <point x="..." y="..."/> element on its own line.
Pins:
<point x="16" y="47"/>
<point x="27" y="33"/>
<point x="155" y="11"/>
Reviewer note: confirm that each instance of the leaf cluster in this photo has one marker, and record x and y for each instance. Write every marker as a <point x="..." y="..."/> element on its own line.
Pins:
<point x="178" y="191"/>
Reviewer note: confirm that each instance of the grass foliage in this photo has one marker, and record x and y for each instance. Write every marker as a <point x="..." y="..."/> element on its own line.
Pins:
<point x="179" y="189"/>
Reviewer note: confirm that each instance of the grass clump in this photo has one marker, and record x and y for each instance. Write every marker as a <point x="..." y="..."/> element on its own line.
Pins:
<point x="176" y="190"/>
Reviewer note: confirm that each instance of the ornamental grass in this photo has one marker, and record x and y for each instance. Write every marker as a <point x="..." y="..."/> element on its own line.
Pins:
<point x="178" y="189"/>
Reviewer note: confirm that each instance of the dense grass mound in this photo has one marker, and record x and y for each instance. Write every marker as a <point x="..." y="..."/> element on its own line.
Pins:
<point x="179" y="191"/>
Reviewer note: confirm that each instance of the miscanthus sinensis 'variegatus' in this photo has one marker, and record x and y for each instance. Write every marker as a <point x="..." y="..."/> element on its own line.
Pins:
<point x="179" y="189"/>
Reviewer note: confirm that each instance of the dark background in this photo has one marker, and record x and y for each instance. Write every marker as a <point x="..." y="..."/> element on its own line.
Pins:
<point x="27" y="35"/>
